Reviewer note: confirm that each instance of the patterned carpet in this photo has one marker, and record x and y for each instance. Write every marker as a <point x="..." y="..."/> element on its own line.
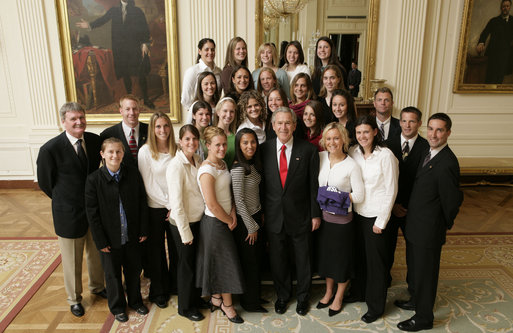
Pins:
<point x="475" y="294"/>
<point x="25" y="264"/>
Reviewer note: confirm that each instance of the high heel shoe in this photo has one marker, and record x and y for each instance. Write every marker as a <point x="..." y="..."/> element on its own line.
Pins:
<point x="214" y="307"/>
<point x="332" y="312"/>
<point x="235" y="319"/>
<point x="321" y="305"/>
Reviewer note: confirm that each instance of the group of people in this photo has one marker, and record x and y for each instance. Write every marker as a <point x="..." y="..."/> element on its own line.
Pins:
<point x="329" y="194"/>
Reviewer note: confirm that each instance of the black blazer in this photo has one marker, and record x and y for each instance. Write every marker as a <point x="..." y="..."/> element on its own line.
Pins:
<point x="395" y="127"/>
<point x="102" y="194"/>
<point x="116" y="131"/>
<point x="407" y="169"/>
<point x="293" y="206"/>
<point x="435" y="200"/>
<point x="61" y="176"/>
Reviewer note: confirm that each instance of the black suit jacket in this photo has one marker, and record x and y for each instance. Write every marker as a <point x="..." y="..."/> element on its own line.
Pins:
<point x="435" y="200"/>
<point x="395" y="127"/>
<point x="354" y="78"/>
<point x="102" y="194"/>
<point x="116" y="131"/>
<point x="61" y="176"/>
<point x="408" y="168"/>
<point x="293" y="206"/>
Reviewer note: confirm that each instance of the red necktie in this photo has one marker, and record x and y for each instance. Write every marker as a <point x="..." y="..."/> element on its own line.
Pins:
<point x="283" y="165"/>
<point x="133" y="144"/>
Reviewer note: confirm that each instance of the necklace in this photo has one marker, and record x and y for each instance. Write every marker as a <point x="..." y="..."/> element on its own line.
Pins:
<point x="219" y="165"/>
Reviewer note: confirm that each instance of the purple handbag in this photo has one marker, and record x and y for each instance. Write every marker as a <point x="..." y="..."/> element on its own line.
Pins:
<point x="333" y="201"/>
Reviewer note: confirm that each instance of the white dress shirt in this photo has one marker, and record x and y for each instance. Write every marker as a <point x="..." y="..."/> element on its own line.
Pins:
<point x="435" y="151"/>
<point x="127" y="130"/>
<point x="411" y="141"/>
<point x="190" y="81"/>
<point x="380" y="172"/>
<point x="260" y="131"/>
<point x="299" y="69"/>
<point x="185" y="197"/>
<point x="74" y="140"/>
<point x="345" y="175"/>
<point x="288" y="151"/>
<point x="153" y="173"/>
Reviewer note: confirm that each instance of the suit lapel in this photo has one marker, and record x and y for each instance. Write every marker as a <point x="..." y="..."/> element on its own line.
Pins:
<point x="432" y="162"/>
<point x="70" y="150"/>
<point x="293" y="163"/>
<point x="143" y="133"/>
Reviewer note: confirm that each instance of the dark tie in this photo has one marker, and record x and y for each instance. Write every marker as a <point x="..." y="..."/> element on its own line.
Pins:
<point x="283" y="166"/>
<point x="406" y="151"/>
<point x="426" y="160"/>
<point x="382" y="130"/>
<point x="116" y="177"/>
<point x="81" y="154"/>
<point x="132" y="144"/>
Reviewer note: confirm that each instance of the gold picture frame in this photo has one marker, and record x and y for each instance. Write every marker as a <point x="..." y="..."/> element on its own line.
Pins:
<point x="473" y="67"/>
<point x="98" y="86"/>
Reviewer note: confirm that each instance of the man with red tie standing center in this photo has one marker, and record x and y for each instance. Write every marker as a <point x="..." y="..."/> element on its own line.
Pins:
<point x="291" y="168"/>
<point x="130" y="131"/>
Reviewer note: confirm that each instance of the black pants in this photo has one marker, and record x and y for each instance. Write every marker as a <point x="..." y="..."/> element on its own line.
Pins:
<point x="185" y="261"/>
<point x="359" y="282"/>
<point x="127" y="257"/>
<point x="156" y="258"/>
<point x="376" y="257"/>
<point x="425" y="266"/>
<point x="392" y="231"/>
<point x="250" y="258"/>
<point x="280" y="263"/>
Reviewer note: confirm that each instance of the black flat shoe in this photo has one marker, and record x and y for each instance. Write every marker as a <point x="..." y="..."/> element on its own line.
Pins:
<point x="321" y="305"/>
<point x="369" y="318"/>
<point x="411" y="325"/>
<point x="193" y="315"/>
<point x="235" y="319"/>
<point x="280" y="307"/>
<point x="102" y="294"/>
<point x="77" y="310"/>
<point x="121" y="317"/>
<point x="405" y="305"/>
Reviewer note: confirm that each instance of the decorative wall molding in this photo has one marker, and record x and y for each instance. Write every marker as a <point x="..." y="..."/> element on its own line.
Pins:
<point x="5" y="80"/>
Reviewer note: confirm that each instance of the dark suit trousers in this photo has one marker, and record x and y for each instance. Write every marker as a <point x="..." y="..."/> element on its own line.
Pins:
<point x="128" y="257"/>
<point x="376" y="253"/>
<point x="185" y="261"/>
<point x="250" y="260"/>
<point x="156" y="258"/>
<point x="280" y="264"/>
<point x="425" y="267"/>
<point x="392" y="231"/>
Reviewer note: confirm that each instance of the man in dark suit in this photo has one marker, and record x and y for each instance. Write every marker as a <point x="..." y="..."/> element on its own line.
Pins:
<point x="130" y="38"/>
<point x="291" y="167"/>
<point x="354" y="78"/>
<point x="434" y="203"/>
<point x="130" y="131"/>
<point x="63" y="164"/>
<point x="384" y="105"/>
<point x="500" y="48"/>
<point x="409" y="149"/>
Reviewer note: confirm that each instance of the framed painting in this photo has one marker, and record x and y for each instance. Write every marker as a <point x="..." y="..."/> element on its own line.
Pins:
<point x="485" y="54"/>
<point x="111" y="48"/>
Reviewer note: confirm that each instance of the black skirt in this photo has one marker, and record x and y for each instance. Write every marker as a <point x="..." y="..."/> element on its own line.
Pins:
<point x="218" y="268"/>
<point x="335" y="251"/>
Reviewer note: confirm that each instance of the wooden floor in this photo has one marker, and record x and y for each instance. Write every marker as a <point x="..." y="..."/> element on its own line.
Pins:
<point x="27" y="213"/>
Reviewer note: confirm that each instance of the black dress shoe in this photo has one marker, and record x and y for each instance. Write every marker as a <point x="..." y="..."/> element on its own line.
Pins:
<point x="193" y="315"/>
<point x="405" y="305"/>
<point x="369" y="318"/>
<point x="302" y="308"/>
<point x="280" y="306"/>
<point x="121" y="317"/>
<point x="321" y="305"/>
<point x="102" y="294"/>
<point x="161" y="302"/>
<point x="411" y="325"/>
<point x="77" y="310"/>
<point x="142" y="310"/>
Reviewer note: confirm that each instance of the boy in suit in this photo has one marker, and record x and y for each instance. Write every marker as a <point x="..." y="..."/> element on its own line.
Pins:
<point x="118" y="216"/>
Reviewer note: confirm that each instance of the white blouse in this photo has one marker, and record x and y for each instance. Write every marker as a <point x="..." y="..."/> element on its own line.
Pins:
<point x="190" y="80"/>
<point x="260" y="131"/>
<point x="184" y="194"/>
<point x="380" y="172"/>
<point x="299" y="69"/>
<point x="153" y="173"/>
<point x="345" y="175"/>
<point x="223" y="187"/>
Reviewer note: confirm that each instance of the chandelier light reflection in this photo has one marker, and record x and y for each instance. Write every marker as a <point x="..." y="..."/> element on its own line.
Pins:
<point x="283" y="8"/>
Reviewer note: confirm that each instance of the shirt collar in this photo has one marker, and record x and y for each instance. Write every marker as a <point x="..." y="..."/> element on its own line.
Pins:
<point x="127" y="129"/>
<point x="435" y="151"/>
<point x="288" y="144"/>
<point x="72" y="139"/>
<point x="383" y="122"/>
<point x="411" y="141"/>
